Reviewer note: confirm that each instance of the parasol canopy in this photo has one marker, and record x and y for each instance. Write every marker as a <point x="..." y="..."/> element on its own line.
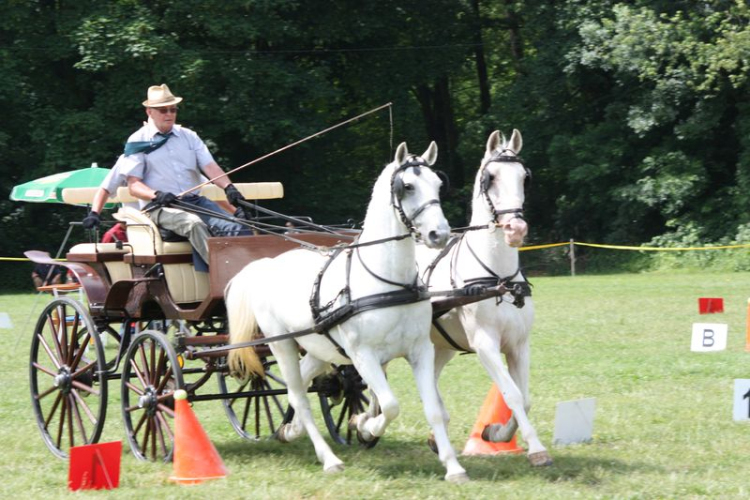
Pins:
<point x="49" y="189"/>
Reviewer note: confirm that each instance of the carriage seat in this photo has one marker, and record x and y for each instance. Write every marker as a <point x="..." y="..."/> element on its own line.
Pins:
<point x="105" y="253"/>
<point x="184" y="283"/>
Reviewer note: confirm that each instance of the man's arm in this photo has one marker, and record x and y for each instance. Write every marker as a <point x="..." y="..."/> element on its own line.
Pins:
<point x="93" y="219"/>
<point x="213" y="170"/>
<point x="100" y="199"/>
<point x="137" y="188"/>
<point x="234" y="197"/>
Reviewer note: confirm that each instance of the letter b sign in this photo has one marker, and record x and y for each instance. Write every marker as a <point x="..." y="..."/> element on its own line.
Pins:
<point x="708" y="337"/>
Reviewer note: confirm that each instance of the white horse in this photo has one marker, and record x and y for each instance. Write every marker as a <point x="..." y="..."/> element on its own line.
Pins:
<point x="274" y="296"/>
<point x="487" y="254"/>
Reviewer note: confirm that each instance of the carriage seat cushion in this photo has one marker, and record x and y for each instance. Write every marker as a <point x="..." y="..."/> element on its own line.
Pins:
<point x="96" y="248"/>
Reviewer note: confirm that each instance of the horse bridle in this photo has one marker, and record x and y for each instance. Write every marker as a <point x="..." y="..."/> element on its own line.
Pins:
<point x="397" y="192"/>
<point x="486" y="181"/>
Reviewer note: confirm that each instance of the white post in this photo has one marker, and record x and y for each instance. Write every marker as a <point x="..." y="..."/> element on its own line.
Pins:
<point x="572" y="258"/>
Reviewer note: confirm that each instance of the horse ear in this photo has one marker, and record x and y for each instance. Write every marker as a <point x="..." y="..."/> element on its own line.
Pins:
<point x="493" y="142"/>
<point x="430" y="156"/>
<point x="516" y="141"/>
<point x="401" y="153"/>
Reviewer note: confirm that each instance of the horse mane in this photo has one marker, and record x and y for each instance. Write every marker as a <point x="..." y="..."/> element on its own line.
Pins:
<point x="380" y="191"/>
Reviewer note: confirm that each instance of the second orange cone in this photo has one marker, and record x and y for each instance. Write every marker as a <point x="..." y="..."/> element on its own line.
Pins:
<point x="493" y="411"/>
<point x="195" y="457"/>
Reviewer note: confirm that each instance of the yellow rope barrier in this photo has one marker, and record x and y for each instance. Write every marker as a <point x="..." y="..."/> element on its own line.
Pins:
<point x="541" y="247"/>
<point x="553" y="245"/>
<point x="657" y="249"/>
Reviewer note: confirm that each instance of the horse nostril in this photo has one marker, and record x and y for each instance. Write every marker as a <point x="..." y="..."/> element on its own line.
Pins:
<point x="438" y="238"/>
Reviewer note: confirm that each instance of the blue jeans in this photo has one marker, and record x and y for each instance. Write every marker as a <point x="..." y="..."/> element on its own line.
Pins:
<point x="217" y="226"/>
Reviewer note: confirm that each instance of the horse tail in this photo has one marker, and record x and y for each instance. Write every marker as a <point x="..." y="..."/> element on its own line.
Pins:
<point x="243" y="327"/>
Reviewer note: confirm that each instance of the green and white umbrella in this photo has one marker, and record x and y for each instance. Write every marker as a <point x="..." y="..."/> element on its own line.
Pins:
<point x="49" y="189"/>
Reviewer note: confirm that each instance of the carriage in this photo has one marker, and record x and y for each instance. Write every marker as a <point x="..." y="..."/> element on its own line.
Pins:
<point x="150" y="320"/>
<point x="165" y="324"/>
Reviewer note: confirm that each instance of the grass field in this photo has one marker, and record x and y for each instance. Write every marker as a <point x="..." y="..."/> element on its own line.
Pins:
<point x="663" y="426"/>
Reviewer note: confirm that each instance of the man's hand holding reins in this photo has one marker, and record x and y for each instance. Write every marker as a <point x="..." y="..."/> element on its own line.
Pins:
<point x="163" y="199"/>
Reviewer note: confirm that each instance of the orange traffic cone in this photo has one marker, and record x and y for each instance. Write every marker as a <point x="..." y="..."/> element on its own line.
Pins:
<point x="493" y="411"/>
<point x="195" y="457"/>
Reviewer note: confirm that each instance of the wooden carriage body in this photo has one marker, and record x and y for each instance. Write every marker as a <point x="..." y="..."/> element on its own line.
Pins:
<point x="148" y="277"/>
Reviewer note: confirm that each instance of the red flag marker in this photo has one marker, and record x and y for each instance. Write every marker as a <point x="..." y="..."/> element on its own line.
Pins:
<point x="710" y="305"/>
<point x="95" y="466"/>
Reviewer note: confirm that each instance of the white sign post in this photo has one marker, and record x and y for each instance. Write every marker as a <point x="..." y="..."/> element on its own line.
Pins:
<point x="741" y="399"/>
<point x="709" y="337"/>
<point x="5" y="321"/>
<point x="574" y="421"/>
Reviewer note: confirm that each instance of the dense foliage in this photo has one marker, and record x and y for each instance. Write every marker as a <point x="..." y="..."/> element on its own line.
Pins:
<point x="634" y="114"/>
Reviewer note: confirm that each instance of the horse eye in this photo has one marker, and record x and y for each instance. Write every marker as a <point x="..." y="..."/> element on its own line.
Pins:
<point x="408" y="187"/>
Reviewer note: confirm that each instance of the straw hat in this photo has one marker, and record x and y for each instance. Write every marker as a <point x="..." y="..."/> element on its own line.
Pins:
<point x="160" y="96"/>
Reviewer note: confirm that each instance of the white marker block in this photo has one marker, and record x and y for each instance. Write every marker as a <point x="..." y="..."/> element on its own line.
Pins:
<point x="709" y="337"/>
<point x="741" y="399"/>
<point x="5" y="321"/>
<point x="574" y="421"/>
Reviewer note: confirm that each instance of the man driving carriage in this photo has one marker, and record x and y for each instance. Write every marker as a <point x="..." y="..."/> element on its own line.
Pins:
<point x="163" y="158"/>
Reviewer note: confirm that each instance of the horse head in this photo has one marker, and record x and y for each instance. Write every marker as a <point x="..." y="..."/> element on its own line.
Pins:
<point x="415" y="195"/>
<point x="499" y="187"/>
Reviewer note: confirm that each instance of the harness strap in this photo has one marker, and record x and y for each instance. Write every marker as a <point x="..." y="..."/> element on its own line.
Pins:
<point x="427" y="276"/>
<point x="407" y="286"/>
<point x="339" y="315"/>
<point x="446" y="336"/>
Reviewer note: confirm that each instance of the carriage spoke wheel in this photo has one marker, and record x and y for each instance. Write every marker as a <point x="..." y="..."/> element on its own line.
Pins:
<point x="258" y="406"/>
<point x="151" y="373"/>
<point x="342" y="395"/>
<point x="68" y="385"/>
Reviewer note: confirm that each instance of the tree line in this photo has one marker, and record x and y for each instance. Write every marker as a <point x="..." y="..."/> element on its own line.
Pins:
<point x="632" y="113"/>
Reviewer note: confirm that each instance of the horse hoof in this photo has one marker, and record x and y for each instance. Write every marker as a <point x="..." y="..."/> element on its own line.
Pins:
<point x="354" y="421"/>
<point x="281" y="434"/>
<point x="334" y="469"/>
<point x="540" y="459"/>
<point x="365" y="438"/>
<point x="460" y="478"/>
<point x="432" y="444"/>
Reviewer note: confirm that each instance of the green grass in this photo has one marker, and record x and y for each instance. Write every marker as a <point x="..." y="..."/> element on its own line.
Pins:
<point x="663" y="426"/>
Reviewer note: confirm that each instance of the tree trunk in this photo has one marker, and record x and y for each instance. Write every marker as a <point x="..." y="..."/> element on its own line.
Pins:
<point x="440" y="124"/>
<point x="484" y="87"/>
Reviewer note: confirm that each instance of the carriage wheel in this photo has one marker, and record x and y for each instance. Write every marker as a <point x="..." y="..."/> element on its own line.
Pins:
<point x="68" y="390"/>
<point x="257" y="407"/>
<point x="342" y="395"/>
<point x="151" y="373"/>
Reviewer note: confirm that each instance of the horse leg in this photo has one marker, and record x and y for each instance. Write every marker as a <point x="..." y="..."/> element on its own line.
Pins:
<point x="422" y="361"/>
<point x="518" y="367"/>
<point x="286" y="355"/>
<point x="367" y="425"/>
<point x="310" y="367"/>
<point x="442" y="357"/>
<point x="488" y="350"/>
